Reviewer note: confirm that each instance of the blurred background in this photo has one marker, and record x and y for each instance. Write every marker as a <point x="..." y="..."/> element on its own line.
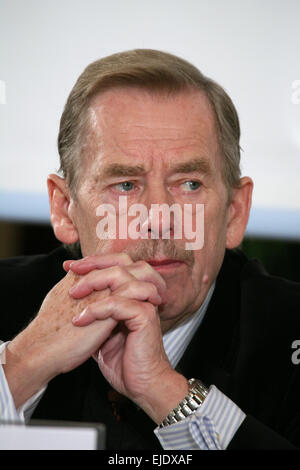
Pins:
<point x="251" y="48"/>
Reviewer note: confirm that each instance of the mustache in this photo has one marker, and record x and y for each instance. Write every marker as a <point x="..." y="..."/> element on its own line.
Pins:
<point x="150" y="249"/>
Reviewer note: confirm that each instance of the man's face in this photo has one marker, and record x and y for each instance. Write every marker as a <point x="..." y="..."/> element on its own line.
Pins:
<point x="152" y="150"/>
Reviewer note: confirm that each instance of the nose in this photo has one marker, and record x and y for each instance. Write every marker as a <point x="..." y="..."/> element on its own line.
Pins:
<point x="160" y="209"/>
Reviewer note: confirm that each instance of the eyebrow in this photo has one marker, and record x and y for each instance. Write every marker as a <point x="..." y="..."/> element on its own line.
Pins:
<point x="118" y="169"/>
<point x="199" y="165"/>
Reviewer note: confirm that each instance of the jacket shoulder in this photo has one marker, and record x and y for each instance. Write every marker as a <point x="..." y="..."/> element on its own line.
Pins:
<point x="272" y="297"/>
<point x="269" y="287"/>
<point x="25" y="281"/>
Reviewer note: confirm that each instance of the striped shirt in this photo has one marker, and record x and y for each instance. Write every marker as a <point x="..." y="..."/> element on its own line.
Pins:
<point x="8" y="412"/>
<point x="210" y="427"/>
<point x="214" y="423"/>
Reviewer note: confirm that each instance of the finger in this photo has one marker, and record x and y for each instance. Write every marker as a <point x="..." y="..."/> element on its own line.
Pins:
<point x="90" y="263"/>
<point x="115" y="276"/>
<point x="112" y="277"/>
<point x="113" y="344"/>
<point x="66" y="264"/>
<point x="141" y="270"/>
<point x="115" y="332"/>
<point x="135" y="314"/>
<point x="139" y="290"/>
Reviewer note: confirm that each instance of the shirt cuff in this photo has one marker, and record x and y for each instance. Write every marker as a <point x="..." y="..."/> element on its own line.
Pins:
<point x="211" y="427"/>
<point x="8" y="411"/>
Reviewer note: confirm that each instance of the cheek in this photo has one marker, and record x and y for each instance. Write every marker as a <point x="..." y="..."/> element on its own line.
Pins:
<point x="86" y="222"/>
<point x="214" y="240"/>
<point x="215" y="220"/>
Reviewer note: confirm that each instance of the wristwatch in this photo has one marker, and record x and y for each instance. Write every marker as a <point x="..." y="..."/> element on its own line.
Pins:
<point x="196" y="396"/>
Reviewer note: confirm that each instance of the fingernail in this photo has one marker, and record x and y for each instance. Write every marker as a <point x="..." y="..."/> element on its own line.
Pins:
<point x="76" y="318"/>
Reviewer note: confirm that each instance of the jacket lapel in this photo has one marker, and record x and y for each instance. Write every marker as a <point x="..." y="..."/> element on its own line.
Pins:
<point x="211" y="354"/>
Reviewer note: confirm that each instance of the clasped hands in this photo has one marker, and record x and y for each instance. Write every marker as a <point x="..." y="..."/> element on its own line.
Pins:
<point x="132" y="357"/>
<point x="106" y="307"/>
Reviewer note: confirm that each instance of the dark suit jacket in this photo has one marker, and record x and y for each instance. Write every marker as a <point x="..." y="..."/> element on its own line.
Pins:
<point x="243" y="347"/>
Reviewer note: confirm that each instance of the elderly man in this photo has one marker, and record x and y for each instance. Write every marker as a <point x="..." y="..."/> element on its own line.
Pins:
<point x="168" y="346"/>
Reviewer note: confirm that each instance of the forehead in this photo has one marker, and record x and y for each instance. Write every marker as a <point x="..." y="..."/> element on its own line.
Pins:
<point x="130" y="123"/>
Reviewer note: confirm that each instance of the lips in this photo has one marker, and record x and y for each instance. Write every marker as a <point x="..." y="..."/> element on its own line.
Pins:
<point x="162" y="262"/>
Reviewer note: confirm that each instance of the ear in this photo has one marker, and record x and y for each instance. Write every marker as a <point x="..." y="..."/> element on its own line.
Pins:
<point x="60" y="202"/>
<point x="239" y="210"/>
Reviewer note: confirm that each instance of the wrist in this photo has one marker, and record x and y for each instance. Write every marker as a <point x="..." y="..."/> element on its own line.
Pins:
<point x="164" y="395"/>
<point x="186" y="407"/>
<point x="25" y="373"/>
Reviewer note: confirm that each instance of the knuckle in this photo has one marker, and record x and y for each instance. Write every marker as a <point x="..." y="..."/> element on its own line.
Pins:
<point x="150" y="270"/>
<point x="121" y="272"/>
<point x="125" y="258"/>
<point x="111" y="301"/>
<point x="147" y="287"/>
<point x="136" y="283"/>
<point x="152" y="288"/>
<point x="117" y="270"/>
<point x="142" y="263"/>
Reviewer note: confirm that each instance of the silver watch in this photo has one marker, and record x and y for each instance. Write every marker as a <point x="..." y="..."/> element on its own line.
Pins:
<point x="196" y="396"/>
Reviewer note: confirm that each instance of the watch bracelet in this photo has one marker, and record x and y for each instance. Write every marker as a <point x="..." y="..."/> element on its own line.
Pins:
<point x="191" y="402"/>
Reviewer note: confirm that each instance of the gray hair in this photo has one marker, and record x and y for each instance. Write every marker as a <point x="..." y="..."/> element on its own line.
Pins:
<point x="156" y="72"/>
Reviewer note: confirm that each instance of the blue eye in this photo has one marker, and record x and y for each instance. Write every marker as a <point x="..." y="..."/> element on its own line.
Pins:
<point x="191" y="185"/>
<point x="125" y="186"/>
